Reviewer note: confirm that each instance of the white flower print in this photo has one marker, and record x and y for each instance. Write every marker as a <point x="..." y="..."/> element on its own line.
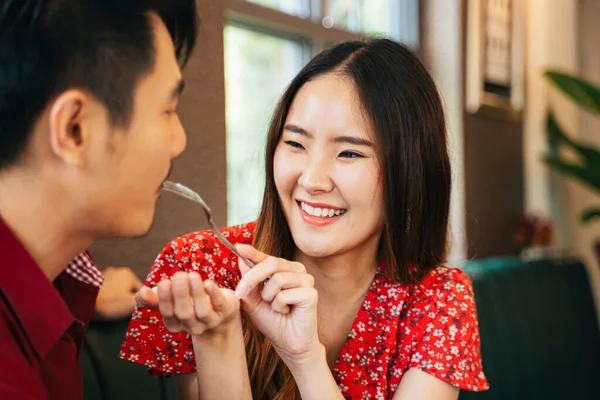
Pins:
<point x="453" y="330"/>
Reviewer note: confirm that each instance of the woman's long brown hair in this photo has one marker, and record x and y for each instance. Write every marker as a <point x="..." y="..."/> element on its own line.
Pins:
<point x="406" y="113"/>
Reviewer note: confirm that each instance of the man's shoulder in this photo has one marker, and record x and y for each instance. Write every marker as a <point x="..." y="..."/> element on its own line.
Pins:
<point x="18" y="363"/>
<point x="13" y="339"/>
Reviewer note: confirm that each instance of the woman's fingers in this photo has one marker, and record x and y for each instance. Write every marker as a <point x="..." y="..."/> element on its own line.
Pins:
<point x="147" y="298"/>
<point x="282" y="282"/>
<point x="224" y="303"/>
<point x="263" y="271"/>
<point x="294" y="297"/>
<point x="243" y="266"/>
<point x="191" y="307"/>
<point x="166" y="306"/>
<point x="201" y="302"/>
<point x="251" y="253"/>
<point x="183" y="303"/>
<point x="285" y="280"/>
<point x="221" y="305"/>
<point x="188" y="303"/>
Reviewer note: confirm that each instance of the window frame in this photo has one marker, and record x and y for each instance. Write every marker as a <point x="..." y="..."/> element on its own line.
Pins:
<point x="310" y="29"/>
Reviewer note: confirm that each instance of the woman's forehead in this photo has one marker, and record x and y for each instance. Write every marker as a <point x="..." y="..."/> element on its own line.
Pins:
<point x="329" y="103"/>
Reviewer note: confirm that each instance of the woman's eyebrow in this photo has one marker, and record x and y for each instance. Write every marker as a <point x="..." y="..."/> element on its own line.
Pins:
<point x="353" y="140"/>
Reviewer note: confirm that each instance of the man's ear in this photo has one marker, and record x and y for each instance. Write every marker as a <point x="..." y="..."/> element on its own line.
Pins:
<point x="68" y="127"/>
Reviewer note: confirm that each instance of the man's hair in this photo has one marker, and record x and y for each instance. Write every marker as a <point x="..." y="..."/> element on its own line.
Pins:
<point x="102" y="47"/>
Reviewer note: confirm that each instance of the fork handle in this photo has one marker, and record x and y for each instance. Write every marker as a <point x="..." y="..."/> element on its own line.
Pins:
<point x="245" y="260"/>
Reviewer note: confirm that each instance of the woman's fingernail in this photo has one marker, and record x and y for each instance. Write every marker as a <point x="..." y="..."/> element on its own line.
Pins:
<point x="241" y="290"/>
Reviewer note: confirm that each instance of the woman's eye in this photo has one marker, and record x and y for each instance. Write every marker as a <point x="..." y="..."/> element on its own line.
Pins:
<point x="350" y="154"/>
<point x="294" y="144"/>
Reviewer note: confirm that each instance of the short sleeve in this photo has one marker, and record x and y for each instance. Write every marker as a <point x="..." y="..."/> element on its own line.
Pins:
<point x="449" y="345"/>
<point x="147" y="341"/>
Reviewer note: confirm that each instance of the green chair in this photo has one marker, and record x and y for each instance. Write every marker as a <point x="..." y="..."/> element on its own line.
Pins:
<point x="107" y="377"/>
<point x="539" y="330"/>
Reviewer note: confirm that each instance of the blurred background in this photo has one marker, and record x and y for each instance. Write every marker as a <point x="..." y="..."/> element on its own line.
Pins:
<point x="522" y="181"/>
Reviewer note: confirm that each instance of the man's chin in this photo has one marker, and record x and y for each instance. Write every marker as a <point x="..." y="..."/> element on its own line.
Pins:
<point x="143" y="229"/>
<point x="133" y="229"/>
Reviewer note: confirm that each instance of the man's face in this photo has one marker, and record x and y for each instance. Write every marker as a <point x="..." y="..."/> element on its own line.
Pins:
<point x="125" y="168"/>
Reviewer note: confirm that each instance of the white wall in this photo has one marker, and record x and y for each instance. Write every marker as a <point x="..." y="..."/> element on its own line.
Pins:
<point x="551" y="28"/>
<point x="442" y="52"/>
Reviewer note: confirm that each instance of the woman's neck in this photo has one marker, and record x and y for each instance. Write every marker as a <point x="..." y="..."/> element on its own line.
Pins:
<point x="342" y="279"/>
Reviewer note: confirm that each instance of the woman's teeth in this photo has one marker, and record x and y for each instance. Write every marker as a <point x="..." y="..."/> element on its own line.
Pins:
<point x="320" y="212"/>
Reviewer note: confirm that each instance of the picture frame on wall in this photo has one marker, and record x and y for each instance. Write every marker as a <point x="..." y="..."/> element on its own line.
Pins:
<point x="495" y="56"/>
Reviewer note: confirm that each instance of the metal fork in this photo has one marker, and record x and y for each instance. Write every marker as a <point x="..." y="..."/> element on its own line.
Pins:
<point x="189" y="194"/>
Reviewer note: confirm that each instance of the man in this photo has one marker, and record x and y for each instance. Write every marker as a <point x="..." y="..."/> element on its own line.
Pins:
<point x="88" y="132"/>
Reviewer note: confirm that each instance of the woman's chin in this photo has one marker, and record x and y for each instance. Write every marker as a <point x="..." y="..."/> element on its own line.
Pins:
<point x="316" y="250"/>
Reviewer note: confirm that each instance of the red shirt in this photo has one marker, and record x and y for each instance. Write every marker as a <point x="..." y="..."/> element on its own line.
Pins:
<point x="431" y="326"/>
<point x="42" y="325"/>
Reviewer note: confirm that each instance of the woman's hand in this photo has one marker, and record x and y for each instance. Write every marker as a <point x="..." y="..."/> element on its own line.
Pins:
<point x="186" y="303"/>
<point x="280" y="298"/>
<point x="211" y="315"/>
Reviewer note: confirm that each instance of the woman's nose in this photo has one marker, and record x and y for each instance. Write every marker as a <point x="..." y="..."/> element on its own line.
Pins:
<point x="316" y="177"/>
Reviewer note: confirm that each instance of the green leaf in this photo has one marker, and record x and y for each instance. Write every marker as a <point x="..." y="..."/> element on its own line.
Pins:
<point x="583" y="92"/>
<point x="557" y="136"/>
<point x="590" y="214"/>
<point x="555" y="133"/>
<point x="586" y="175"/>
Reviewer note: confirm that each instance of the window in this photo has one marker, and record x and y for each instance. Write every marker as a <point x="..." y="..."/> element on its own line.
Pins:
<point x="295" y="7"/>
<point x="257" y="69"/>
<point x="266" y="43"/>
<point x="369" y="17"/>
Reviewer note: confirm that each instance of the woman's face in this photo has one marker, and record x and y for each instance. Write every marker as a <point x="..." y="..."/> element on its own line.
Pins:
<point x="327" y="172"/>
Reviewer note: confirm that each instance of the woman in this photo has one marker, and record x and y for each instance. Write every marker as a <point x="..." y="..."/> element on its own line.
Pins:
<point x="357" y="199"/>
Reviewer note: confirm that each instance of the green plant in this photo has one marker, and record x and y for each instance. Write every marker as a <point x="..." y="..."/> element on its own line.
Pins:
<point x="585" y="165"/>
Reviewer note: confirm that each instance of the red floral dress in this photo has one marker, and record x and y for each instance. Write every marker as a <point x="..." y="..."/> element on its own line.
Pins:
<point x="431" y="326"/>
